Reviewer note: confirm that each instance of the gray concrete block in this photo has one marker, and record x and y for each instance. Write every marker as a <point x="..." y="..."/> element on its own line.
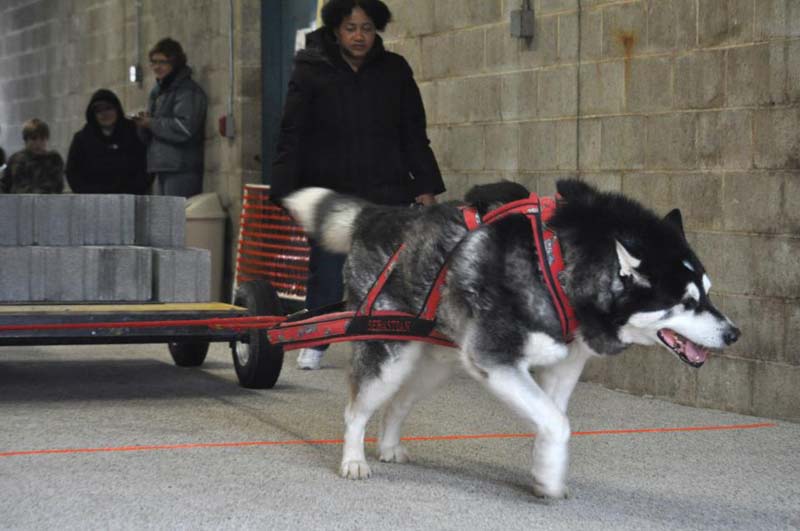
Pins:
<point x="547" y="145"/>
<point x="650" y="87"/>
<point x="724" y="22"/>
<point x="467" y="147"/>
<point x="699" y="80"/>
<point x="623" y="143"/>
<point x="784" y="71"/>
<point x="777" y="18"/>
<point x="518" y="95"/>
<point x="91" y="274"/>
<point x="748" y="71"/>
<point x="502" y="50"/>
<point x="16" y="219"/>
<point x="671" y="25"/>
<point x="107" y="219"/>
<point x="736" y="263"/>
<point x="591" y="32"/>
<point x="484" y="96"/>
<point x="624" y="29"/>
<point x="55" y="220"/>
<point x="568" y="36"/>
<point x="755" y="209"/>
<point x="559" y="97"/>
<point x="502" y="147"/>
<point x="775" y="388"/>
<point x="181" y="275"/>
<point x="436" y="56"/>
<point x="15" y="273"/>
<point x="537" y="146"/>
<point x="452" y="14"/>
<point x="160" y="221"/>
<point x="468" y="52"/>
<point x="123" y="274"/>
<point x="83" y="219"/>
<point x="699" y="196"/>
<point x="651" y="371"/>
<point x="602" y="89"/>
<point x="763" y="323"/>
<point x="454" y="100"/>
<point x="671" y="142"/>
<point x="724" y="383"/>
<point x="724" y="139"/>
<point x="777" y="144"/>
<point x="410" y="18"/>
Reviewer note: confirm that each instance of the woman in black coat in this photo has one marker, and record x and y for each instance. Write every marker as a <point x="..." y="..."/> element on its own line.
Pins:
<point x="353" y="122"/>
<point x="107" y="156"/>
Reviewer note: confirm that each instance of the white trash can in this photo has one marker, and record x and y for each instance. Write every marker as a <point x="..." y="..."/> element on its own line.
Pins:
<point x="205" y="229"/>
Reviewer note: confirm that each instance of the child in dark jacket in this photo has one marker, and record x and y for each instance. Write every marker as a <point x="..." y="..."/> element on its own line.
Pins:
<point x="107" y="156"/>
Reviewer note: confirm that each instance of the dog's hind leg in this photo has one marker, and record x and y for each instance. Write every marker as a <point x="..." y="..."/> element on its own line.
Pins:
<point x="374" y="382"/>
<point x="426" y="376"/>
<point x="558" y="380"/>
<point x="516" y="387"/>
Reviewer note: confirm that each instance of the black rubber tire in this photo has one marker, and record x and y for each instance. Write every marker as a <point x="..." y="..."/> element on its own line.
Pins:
<point x="189" y="354"/>
<point x="258" y="364"/>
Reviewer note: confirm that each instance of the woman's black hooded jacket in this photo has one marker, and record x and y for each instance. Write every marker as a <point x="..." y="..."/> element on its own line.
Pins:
<point x="100" y="164"/>
<point x="361" y="133"/>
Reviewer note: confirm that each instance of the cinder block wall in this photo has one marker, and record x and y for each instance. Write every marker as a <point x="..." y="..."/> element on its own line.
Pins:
<point x="54" y="54"/>
<point x="683" y="103"/>
<point x="688" y="103"/>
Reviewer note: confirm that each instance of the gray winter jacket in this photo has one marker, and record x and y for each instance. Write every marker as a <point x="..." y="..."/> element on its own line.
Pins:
<point x="177" y="126"/>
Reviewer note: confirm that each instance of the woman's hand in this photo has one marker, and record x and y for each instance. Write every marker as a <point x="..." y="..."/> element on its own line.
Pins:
<point x="426" y="199"/>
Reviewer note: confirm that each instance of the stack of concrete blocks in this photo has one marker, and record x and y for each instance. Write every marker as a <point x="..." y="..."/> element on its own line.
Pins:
<point x="98" y="248"/>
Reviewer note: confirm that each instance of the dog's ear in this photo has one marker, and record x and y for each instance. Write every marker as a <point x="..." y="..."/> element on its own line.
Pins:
<point x="486" y="197"/>
<point x="575" y="190"/>
<point x="628" y="265"/>
<point x="675" y="219"/>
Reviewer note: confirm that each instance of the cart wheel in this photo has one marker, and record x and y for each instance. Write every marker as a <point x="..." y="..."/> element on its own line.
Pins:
<point x="258" y="364"/>
<point x="189" y="354"/>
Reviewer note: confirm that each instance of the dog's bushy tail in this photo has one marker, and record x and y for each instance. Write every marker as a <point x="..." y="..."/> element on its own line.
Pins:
<point x="327" y="217"/>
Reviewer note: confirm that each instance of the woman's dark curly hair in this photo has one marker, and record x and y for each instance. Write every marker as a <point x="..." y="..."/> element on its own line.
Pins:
<point x="172" y="49"/>
<point x="334" y="11"/>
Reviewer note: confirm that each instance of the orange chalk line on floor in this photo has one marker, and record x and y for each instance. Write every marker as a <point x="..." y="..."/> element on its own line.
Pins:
<point x="188" y="446"/>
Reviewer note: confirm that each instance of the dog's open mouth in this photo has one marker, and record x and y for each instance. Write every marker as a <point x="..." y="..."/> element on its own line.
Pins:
<point x="690" y="352"/>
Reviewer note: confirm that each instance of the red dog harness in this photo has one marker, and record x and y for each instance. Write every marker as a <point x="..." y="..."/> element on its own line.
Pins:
<point x="538" y="210"/>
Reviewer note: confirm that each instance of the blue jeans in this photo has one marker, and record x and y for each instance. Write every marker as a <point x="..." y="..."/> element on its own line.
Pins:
<point x="325" y="285"/>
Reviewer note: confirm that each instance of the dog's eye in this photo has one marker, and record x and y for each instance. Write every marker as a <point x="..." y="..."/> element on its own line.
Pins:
<point x="691" y="304"/>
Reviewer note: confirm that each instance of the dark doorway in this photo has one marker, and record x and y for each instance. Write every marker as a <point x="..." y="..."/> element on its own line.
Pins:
<point x="280" y="21"/>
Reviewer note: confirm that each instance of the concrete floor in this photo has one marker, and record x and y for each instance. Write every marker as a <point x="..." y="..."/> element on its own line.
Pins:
<point x="150" y="445"/>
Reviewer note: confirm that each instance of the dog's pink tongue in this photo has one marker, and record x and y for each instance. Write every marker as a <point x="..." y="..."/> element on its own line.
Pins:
<point x="693" y="352"/>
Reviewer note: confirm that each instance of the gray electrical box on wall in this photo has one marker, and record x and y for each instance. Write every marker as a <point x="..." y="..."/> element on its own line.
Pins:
<point x="522" y="23"/>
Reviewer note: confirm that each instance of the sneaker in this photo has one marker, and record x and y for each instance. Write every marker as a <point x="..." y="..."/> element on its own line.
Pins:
<point x="309" y="359"/>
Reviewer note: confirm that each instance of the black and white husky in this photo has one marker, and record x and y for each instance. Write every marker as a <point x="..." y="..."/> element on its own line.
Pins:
<point x="630" y="276"/>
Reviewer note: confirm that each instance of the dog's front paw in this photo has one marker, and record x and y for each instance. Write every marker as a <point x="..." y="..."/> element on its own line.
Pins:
<point x="550" y="492"/>
<point x="395" y="454"/>
<point x="355" y="470"/>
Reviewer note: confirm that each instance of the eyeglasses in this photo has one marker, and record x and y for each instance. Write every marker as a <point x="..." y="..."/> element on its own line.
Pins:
<point x="154" y="62"/>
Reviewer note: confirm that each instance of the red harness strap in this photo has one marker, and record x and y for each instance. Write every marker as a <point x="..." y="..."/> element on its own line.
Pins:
<point x="539" y="210"/>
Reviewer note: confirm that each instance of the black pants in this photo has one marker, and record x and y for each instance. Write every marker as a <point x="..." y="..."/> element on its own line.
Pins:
<point x="325" y="285"/>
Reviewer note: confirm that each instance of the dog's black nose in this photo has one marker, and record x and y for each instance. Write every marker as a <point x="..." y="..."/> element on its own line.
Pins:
<point x="731" y="335"/>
